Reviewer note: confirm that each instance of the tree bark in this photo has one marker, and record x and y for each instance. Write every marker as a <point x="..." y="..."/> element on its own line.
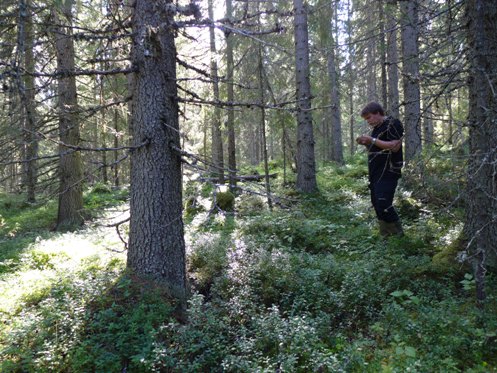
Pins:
<point x="28" y="92"/>
<point x="156" y="242"/>
<point x="448" y="105"/>
<point x="427" y="123"/>
<point x="481" y="227"/>
<point x="372" y="92"/>
<point x="103" y="131"/>
<point x="383" y="53"/>
<point x="335" y="114"/>
<point x="306" y="164"/>
<point x="410" y="72"/>
<point x="392" y="60"/>
<point x="116" y="145"/>
<point x="351" y="78"/>
<point x="70" y="165"/>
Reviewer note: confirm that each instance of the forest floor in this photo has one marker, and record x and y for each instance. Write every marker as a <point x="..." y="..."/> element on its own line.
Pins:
<point x="308" y="286"/>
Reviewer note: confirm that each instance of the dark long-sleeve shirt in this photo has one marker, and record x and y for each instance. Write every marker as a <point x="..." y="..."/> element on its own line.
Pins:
<point x="385" y="164"/>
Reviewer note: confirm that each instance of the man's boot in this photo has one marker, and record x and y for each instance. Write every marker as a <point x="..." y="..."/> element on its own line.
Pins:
<point x="394" y="228"/>
<point x="390" y="229"/>
<point x="398" y="228"/>
<point x="384" y="231"/>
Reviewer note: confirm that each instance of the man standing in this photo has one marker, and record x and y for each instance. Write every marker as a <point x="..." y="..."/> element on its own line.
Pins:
<point x="384" y="165"/>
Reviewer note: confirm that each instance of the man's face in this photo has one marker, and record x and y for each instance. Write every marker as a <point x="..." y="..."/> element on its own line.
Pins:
<point x="373" y="119"/>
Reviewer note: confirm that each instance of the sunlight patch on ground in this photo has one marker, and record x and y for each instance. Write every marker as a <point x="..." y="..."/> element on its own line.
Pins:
<point x="359" y="204"/>
<point x="196" y="241"/>
<point x="45" y="261"/>
<point x="451" y="235"/>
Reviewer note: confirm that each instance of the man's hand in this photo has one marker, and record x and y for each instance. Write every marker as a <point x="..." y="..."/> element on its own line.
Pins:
<point x="364" y="140"/>
<point x="396" y="145"/>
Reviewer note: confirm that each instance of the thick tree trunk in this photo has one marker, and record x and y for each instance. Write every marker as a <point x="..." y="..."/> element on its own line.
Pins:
<point x="70" y="165"/>
<point x="392" y="60"/>
<point x="231" y="98"/>
<point x="481" y="222"/>
<point x="156" y="243"/>
<point x="410" y="71"/>
<point x="217" y="140"/>
<point x="306" y="164"/>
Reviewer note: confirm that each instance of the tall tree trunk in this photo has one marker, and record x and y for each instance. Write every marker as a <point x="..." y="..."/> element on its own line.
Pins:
<point x="450" y="123"/>
<point x="105" y="173"/>
<point x="116" y="145"/>
<point x="115" y="86"/>
<point x="70" y="165"/>
<point x="335" y="115"/>
<point x="371" y="47"/>
<point x="460" y="131"/>
<point x="283" y="145"/>
<point x="253" y="146"/>
<point x="13" y="119"/>
<point x="326" y="135"/>
<point x="156" y="242"/>
<point x="205" y="128"/>
<point x="481" y="227"/>
<point x="383" y="52"/>
<point x="306" y="164"/>
<point x="28" y="92"/>
<point x="257" y="144"/>
<point x="231" y="98"/>
<point x="427" y="122"/>
<point x="103" y="130"/>
<point x="350" y="70"/>
<point x="392" y="60"/>
<point x="130" y="84"/>
<point x="410" y="70"/>
<point x="263" y="123"/>
<point x="372" y="92"/>
<point x="217" y="140"/>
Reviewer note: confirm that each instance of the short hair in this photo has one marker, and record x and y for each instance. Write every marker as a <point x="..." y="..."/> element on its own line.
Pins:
<point x="372" y="108"/>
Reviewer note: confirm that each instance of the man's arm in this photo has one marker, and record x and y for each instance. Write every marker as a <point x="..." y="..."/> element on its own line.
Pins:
<point x="393" y="145"/>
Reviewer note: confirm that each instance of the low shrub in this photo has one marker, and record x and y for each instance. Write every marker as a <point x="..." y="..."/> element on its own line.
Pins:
<point x="249" y="204"/>
<point x="225" y="201"/>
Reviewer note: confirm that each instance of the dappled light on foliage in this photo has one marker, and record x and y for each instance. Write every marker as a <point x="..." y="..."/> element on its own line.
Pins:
<point x="311" y="287"/>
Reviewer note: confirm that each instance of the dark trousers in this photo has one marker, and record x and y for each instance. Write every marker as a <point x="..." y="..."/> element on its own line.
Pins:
<point x="382" y="193"/>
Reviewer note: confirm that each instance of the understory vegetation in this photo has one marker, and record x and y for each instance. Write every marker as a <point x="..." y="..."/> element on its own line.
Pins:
<point x="308" y="286"/>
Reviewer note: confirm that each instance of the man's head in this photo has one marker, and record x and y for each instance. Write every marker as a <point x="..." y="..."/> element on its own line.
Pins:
<point x="373" y="113"/>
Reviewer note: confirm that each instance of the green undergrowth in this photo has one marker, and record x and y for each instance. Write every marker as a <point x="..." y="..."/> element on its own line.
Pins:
<point x="308" y="286"/>
<point x="23" y="223"/>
